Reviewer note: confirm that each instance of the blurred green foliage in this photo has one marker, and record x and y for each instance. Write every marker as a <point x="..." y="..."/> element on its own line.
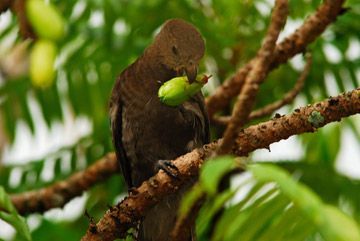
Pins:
<point x="105" y="36"/>
<point x="9" y="214"/>
<point x="275" y="207"/>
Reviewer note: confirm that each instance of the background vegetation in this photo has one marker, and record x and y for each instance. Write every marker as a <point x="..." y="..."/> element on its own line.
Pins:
<point x="70" y="116"/>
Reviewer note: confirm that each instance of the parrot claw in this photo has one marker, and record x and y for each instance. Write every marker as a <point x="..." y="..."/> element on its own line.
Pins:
<point x="133" y="190"/>
<point x="167" y="166"/>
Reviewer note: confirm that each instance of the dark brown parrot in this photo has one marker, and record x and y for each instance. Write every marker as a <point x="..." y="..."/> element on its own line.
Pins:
<point x="147" y="133"/>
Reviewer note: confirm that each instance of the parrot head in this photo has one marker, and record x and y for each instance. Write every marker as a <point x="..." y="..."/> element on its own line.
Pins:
<point x="180" y="47"/>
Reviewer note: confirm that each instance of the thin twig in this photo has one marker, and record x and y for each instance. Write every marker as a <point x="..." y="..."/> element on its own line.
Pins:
<point x="256" y="76"/>
<point x="270" y="108"/>
<point x="26" y="31"/>
<point x="292" y="45"/>
<point x="289" y="96"/>
<point x="18" y="7"/>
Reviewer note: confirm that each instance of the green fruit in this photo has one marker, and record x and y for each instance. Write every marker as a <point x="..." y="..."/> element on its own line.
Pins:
<point x="42" y="58"/>
<point x="45" y="19"/>
<point x="177" y="90"/>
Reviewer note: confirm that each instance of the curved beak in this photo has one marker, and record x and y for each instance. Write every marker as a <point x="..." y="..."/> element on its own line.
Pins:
<point x="191" y="72"/>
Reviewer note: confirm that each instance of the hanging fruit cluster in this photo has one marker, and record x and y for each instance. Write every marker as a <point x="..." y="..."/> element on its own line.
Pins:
<point x="49" y="27"/>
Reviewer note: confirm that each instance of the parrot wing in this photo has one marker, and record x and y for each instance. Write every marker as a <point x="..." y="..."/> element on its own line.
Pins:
<point x="116" y="129"/>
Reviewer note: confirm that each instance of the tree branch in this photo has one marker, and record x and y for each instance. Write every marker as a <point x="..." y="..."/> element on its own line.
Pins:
<point x="270" y="108"/>
<point x="125" y="215"/>
<point x="256" y="76"/>
<point x="305" y="119"/>
<point x="58" y="194"/>
<point x="294" y="44"/>
<point x="254" y="137"/>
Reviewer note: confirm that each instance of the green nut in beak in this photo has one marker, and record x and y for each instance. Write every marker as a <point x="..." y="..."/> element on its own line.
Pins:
<point x="177" y="90"/>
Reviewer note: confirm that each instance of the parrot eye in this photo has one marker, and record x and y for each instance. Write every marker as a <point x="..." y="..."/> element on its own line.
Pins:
<point x="174" y="50"/>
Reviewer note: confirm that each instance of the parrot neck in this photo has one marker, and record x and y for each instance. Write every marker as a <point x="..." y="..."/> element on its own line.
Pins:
<point x="151" y="71"/>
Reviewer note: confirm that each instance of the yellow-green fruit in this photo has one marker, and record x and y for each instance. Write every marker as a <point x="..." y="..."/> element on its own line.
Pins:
<point x="177" y="90"/>
<point x="42" y="58"/>
<point x="45" y="19"/>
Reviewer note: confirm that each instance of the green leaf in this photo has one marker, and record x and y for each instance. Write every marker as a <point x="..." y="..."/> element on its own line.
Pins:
<point x="265" y="215"/>
<point x="276" y="230"/>
<point x="338" y="226"/>
<point x="9" y="214"/>
<point x="299" y="193"/>
<point x="211" y="209"/>
<point x="232" y="214"/>
<point x="213" y="171"/>
<point x="5" y="202"/>
<point x="329" y="220"/>
<point x="189" y="199"/>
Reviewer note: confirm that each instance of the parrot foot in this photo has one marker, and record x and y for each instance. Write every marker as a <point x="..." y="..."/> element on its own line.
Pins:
<point x="168" y="167"/>
<point x="133" y="190"/>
